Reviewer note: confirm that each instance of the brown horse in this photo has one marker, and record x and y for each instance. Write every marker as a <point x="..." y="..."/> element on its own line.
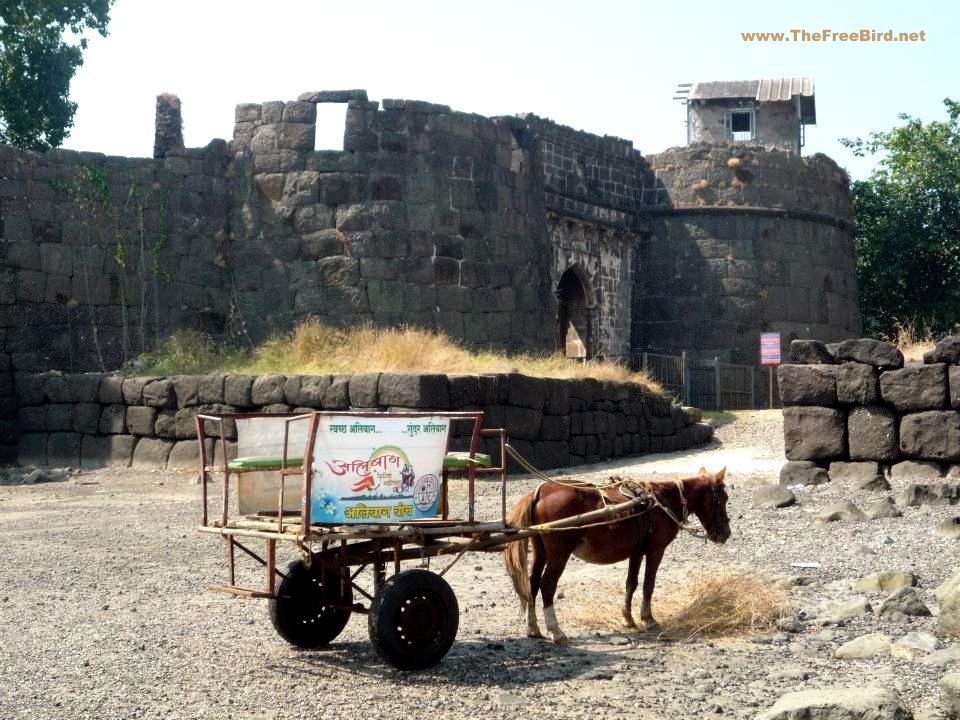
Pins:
<point x="645" y="535"/>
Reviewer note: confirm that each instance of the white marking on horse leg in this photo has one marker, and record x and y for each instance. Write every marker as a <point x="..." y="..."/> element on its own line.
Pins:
<point x="553" y="626"/>
<point x="533" y="629"/>
<point x="646" y="616"/>
<point x="628" y="620"/>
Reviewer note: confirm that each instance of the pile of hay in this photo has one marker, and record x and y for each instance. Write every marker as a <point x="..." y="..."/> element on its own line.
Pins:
<point x="721" y="603"/>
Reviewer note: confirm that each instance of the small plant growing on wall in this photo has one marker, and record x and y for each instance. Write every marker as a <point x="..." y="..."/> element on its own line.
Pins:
<point x="113" y="240"/>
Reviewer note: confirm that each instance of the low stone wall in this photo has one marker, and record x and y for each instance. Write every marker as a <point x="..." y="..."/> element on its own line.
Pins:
<point x="93" y="420"/>
<point x="854" y="411"/>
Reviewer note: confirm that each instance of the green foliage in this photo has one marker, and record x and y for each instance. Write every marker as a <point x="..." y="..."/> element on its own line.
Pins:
<point x="37" y="65"/>
<point x="908" y="224"/>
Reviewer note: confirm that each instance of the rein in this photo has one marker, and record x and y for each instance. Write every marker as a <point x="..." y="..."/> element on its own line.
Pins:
<point x="647" y="487"/>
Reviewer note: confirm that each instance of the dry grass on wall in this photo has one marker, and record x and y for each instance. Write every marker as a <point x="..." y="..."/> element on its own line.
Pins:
<point x="718" y="603"/>
<point x="315" y="348"/>
<point x="912" y="340"/>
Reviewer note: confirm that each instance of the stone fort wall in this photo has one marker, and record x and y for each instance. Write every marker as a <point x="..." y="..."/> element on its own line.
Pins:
<point x="753" y="241"/>
<point x="430" y="217"/>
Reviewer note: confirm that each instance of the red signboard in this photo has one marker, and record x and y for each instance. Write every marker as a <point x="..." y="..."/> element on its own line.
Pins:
<point x="769" y="348"/>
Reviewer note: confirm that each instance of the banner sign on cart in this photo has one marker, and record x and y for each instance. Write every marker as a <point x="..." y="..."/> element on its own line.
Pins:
<point x="376" y="469"/>
<point x="769" y="348"/>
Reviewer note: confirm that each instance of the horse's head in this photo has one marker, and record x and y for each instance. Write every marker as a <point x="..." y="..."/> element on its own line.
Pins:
<point x="712" y="508"/>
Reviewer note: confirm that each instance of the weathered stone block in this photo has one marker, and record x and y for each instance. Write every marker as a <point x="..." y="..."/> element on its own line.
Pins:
<point x="291" y="390"/>
<point x="814" y="433"/>
<point x="953" y="383"/>
<point x="185" y="455"/>
<point x="111" y="390"/>
<point x="810" y="352"/>
<point x="31" y="419"/>
<point x="931" y="435"/>
<point x="238" y="390"/>
<point x="210" y="389"/>
<point x="151" y="453"/>
<point x="338" y="271"/>
<point x="464" y="391"/>
<point x="526" y="391"/>
<point x="803" y="472"/>
<point x="946" y="351"/>
<point x="916" y="472"/>
<point x="312" y="390"/>
<point x="555" y="427"/>
<point x="185" y="426"/>
<point x="113" y="420"/>
<point x="857" y="384"/>
<point x="32" y="449"/>
<point x="63" y="449"/>
<point x="853" y="472"/>
<point x="133" y="390"/>
<point x="159" y="394"/>
<point x="267" y="390"/>
<point x="140" y="420"/>
<point x="94" y="451"/>
<point x="871" y="352"/>
<point x="59" y="417"/>
<point x="872" y="433"/>
<point x="363" y="390"/>
<point x="165" y="425"/>
<point x="86" y="417"/>
<point x="414" y="390"/>
<point x="807" y="384"/>
<point x="186" y="388"/>
<point x="337" y="394"/>
<point x="915" y="387"/>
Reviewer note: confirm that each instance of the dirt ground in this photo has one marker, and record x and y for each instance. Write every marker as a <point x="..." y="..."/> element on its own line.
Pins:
<point x="104" y="612"/>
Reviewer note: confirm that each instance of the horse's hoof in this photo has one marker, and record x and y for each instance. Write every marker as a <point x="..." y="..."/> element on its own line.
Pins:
<point x="562" y="640"/>
<point x="535" y="635"/>
<point x="652" y="626"/>
<point x="629" y="623"/>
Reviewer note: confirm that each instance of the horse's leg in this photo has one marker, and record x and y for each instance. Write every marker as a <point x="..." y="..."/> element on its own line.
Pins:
<point x="633" y="572"/>
<point x="548" y="587"/>
<point x="649" y="580"/>
<point x="536" y="571"/>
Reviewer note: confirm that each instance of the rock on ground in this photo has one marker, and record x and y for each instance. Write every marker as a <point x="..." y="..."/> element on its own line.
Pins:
<point x="863" y="647"/>
<point x="836" y="703"/>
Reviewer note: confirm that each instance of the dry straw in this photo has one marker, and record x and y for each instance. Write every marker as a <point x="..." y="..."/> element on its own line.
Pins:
<point x="720" y="603"/>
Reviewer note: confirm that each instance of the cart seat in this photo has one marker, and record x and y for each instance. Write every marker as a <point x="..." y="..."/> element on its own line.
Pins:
<point x="461" y="460"/>
<point x="252" y="464"/>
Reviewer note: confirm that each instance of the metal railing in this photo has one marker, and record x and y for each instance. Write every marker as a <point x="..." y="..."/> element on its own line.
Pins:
<point x="709" y="386"/>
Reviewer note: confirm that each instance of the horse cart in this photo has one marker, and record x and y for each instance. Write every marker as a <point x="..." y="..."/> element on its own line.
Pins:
<point x="341" y="492"/>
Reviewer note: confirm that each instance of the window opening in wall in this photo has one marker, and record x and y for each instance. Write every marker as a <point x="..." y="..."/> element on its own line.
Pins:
<point x="740" y="124"/>
<point x="331" y="123"/>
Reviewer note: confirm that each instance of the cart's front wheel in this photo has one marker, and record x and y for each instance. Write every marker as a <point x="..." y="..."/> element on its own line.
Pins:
<point x="303" y="611"/>
<point x="413" y="620"/>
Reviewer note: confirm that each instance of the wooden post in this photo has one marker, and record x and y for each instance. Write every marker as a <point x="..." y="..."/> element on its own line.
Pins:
<point x="716" y="369"/>
<point x="770" y="376"/>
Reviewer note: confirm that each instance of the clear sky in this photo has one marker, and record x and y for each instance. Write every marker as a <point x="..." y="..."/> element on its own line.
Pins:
<point x="603" y="66"/>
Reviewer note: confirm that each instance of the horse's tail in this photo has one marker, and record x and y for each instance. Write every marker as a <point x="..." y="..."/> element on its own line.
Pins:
<point x="515" y="554"/>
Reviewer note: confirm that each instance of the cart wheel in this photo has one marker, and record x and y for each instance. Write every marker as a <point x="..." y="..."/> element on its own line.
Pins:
<point x="298" y="613"/>
<point x="413" y="620"/>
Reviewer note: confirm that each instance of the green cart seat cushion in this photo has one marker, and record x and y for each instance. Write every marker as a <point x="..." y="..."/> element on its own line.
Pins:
<point x="264" y="463"/>
<point x="455" y="460"/>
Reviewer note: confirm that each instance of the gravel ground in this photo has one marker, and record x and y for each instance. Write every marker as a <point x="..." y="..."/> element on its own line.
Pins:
<point x="104" y="613"/>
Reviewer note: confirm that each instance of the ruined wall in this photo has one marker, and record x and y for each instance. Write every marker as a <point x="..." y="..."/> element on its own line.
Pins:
<point x="595" y="190"/>
<point x="754" y="241"/>
<point x="855" y="412"/>
<point x="100" y="255"/>
<point x="93" y="420"/>
<point x="422" y="219"/>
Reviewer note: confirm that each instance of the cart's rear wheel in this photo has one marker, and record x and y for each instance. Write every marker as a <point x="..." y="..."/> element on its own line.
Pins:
<point x="413" y="620"/>
<point x="299" y="613"/>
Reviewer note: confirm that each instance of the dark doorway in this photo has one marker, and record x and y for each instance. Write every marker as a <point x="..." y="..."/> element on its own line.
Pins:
<point x="573" y="317"/>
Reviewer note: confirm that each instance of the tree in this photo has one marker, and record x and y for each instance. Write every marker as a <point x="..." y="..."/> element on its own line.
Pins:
<point x="37" y="63"/>
<point x="908" y="224"/>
